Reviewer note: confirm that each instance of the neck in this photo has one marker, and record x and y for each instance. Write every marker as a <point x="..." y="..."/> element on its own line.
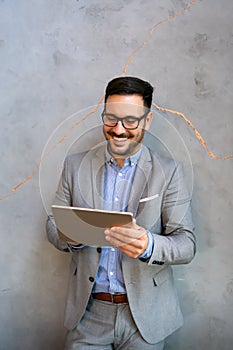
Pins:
<point x="120" y="161"/>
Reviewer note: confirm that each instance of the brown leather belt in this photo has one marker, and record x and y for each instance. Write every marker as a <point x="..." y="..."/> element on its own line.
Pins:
<point x="112" y="298"/>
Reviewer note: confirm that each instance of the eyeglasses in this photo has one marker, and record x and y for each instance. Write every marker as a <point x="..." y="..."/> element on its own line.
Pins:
<point x="129" y="122"/>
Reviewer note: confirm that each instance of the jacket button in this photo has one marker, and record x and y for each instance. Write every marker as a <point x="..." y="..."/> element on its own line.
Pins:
<point x="99" y="250"/>
<point x="91" y="279"/>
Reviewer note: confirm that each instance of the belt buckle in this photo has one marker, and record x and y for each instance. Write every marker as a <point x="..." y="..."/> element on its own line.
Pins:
<point x="113" y="298"/>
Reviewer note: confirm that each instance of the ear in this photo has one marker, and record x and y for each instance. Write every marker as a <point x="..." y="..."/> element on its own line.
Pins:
<point x="148" y="120"/>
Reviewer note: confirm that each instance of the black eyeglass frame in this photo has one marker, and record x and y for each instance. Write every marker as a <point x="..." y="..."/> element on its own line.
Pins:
<point x="122" y="120"/>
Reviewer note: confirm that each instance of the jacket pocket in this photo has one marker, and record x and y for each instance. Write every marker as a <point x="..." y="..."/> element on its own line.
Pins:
<point x="162" y="276"/>
<point x="149" y="211"/>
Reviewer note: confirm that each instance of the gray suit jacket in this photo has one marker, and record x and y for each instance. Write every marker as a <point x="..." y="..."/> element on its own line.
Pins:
<point x="160" y="202"/>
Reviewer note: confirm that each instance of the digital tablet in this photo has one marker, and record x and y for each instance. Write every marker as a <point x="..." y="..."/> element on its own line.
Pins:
<point x="86" y="226"/>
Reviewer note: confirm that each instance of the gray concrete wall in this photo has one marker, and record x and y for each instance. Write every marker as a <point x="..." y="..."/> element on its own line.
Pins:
<point x="56" y="57"/>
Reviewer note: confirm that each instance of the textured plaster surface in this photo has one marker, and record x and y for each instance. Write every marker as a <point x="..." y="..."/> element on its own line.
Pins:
<point x="56" y="58"/>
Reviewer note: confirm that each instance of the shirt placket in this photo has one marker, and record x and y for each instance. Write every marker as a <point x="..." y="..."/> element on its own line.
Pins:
<point x="117" y="204"/>
<point x="118" y="194"/>
<point x="112" y="269"/>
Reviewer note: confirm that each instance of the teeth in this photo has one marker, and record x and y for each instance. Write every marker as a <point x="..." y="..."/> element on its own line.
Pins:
<point x="120" y="138"/>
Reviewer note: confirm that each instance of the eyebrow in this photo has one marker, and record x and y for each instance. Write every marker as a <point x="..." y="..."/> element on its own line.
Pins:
<point x="128" y="115"/>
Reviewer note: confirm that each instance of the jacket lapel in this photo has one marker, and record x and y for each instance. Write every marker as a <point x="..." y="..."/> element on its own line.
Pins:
<point x="141" y="177"/>
<point x="97" y="174"/>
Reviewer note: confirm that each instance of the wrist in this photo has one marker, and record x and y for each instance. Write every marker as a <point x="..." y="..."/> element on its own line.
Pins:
<point x="146" y="255"/>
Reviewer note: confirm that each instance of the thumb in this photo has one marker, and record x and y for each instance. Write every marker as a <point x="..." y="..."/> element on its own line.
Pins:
<point x="134" y="224"/>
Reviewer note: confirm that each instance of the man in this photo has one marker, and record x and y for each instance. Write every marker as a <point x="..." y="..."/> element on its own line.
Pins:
<point x="124" y="297"/>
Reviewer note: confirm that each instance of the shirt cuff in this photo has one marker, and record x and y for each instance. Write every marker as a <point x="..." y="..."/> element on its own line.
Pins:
<point x="148" y="252"/>
<point x="74" y="248"/>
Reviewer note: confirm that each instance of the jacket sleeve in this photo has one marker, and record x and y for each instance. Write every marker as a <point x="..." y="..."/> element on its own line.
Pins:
<point x="62" y="197"/>
<point x="176" y="244"/>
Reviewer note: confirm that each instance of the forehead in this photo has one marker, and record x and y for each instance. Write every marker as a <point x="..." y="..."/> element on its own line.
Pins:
<point x="122" y="105"/>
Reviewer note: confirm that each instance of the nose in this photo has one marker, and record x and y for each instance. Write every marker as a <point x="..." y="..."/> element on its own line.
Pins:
<point x="119" y="128"/>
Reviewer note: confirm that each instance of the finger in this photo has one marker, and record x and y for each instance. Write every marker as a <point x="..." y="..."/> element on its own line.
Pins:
<point x="73" y="243"/>
<point x="132" y="250"/>
<point x="131" y="224"/>
<point x="126" y="231"/>
<point x="122" y="239"/>
<point x="124" y="244"/>
<point x="118" y="238"/>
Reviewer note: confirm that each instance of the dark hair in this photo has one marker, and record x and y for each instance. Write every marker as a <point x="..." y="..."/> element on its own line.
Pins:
<point x="130" y="86"/>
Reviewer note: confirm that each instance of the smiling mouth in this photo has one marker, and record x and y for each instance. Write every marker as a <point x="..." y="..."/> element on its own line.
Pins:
<point x="120" y="139"/>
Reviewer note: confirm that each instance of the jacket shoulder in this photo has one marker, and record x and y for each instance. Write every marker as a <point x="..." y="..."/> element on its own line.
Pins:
<point x="164" y="163"/>
<point x="76" y="158"/>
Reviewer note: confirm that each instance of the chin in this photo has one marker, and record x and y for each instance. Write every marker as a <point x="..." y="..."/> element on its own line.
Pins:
<point x="119" y="153"/>
<point x="123" y="153"/>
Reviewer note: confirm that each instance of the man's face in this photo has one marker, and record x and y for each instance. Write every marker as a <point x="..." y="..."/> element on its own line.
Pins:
<point x="123" y="142"/>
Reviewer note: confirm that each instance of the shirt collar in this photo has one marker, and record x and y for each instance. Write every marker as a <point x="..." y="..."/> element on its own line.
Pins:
<point x="132" y="160"/>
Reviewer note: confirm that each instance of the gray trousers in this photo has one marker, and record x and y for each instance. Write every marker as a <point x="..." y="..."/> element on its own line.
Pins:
<point x="107" y="326"/>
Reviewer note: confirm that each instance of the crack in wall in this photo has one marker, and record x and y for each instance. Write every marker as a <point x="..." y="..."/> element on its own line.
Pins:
<point x="163" y="109"/>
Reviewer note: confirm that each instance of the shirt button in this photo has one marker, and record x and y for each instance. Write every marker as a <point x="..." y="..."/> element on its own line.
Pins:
<point x="120" y="174"/>
<point x="91" y="279"/>
<point x="116" y="199"/>
<point x="113" y="249"/>
<point x="111" y="273"/>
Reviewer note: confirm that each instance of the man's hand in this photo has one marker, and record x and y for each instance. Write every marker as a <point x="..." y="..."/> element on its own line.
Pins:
<point x="131" y="239"/>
